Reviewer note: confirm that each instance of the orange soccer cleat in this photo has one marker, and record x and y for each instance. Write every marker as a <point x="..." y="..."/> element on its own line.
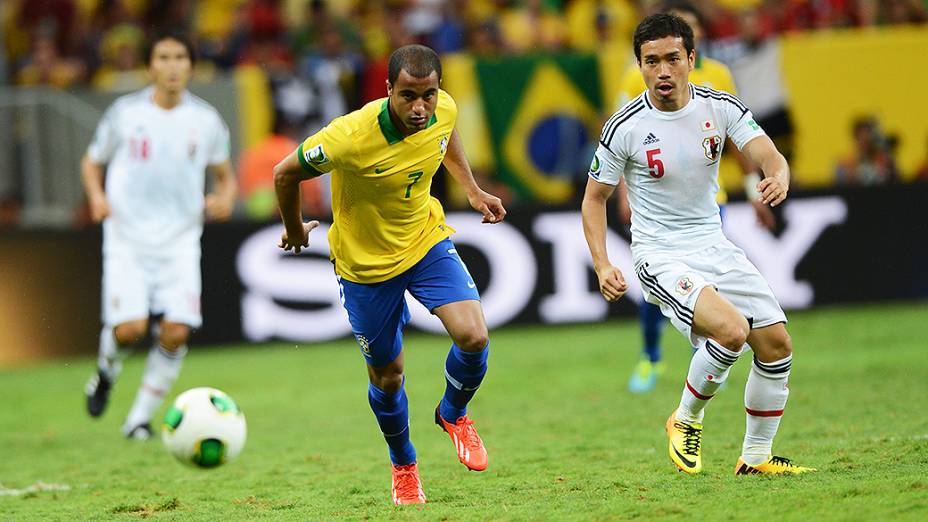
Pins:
<point x="467" y="443"/>
<point x="407" y="488"/>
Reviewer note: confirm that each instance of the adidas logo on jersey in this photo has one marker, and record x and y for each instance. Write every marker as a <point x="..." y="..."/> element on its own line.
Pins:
<point x="651" y="139"/>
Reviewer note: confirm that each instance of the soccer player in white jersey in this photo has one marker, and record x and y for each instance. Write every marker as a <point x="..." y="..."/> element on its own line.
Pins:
<point x="156" y="145"/>
<point x="666" y="143"/>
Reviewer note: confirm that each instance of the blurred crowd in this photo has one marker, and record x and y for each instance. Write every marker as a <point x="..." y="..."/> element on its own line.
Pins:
<point x="325" y="58"/>
<point x="98" y="42"/>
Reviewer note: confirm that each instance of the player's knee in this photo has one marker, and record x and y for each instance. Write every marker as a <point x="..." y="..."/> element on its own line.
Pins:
<point x="473" y="340"/>
<point x="173" y="335"/>
<point x="734" y="335"/>
<point x="390" y="382"/>
<point x="781" y="346"/>
<point x="131" y="332"/>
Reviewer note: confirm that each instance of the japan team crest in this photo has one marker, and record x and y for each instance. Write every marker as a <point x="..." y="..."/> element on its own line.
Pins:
<point x="684" y="285"/>
<point x="712" y="147"/>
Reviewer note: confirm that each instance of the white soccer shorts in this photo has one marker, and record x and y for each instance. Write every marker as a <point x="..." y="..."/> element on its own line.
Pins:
<point x="137" y="284"/>
<point x="674" y="283"/>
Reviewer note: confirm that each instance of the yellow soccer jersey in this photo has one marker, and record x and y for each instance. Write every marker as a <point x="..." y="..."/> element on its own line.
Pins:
<point x="385" y="219"/>
<point x="708" y="73"/>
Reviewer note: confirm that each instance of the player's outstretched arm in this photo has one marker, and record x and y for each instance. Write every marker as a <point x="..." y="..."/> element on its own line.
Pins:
<point x="92" y="179"/>
<point x="611" y="281"/>
<point x="775" y="185"/>
<point x="287" y="177"/>
<point x="221" y="201"/>
<point x="456" y="162"/>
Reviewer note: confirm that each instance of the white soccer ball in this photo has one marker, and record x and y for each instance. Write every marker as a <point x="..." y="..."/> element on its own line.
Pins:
<point x="204" y="427"/>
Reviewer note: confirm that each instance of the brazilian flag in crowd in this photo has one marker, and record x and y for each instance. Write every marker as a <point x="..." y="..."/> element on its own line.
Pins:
<point x="543" y="117"/>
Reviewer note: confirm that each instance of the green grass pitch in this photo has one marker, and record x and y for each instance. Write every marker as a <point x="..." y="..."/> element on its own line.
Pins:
<point x="566" y="440"/>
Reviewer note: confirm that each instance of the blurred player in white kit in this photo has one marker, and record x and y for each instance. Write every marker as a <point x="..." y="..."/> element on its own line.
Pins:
<point x="156" y="145"/>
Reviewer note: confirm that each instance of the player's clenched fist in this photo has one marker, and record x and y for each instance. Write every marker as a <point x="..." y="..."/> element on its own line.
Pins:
<point x="489" y="205"/>
<point x="611" y="283"/>
<point x="301" y="243"/>
<point x="773" y="190"/>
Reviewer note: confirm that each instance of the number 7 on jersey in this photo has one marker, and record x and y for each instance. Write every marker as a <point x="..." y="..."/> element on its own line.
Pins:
<point x="415" y="178"/>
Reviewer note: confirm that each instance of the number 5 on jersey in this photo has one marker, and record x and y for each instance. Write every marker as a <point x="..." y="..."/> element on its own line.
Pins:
<point x="655" y="165"/>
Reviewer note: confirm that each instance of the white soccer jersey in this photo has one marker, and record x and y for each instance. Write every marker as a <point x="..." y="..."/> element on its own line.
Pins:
<point x="155" y="176"/>
<point x="670" y="161"/>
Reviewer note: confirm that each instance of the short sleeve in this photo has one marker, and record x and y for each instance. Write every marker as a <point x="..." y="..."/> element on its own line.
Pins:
<point x="740" y="125"/>
<point x="742" y="128"/>
<point x="105" y="138"/>
<point x="328" y="149"/>
<point x="219" y="150"/>
<point x="606" y="167"/>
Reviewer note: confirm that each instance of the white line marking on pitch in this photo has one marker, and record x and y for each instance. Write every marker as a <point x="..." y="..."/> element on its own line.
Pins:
<point x="35" y="488"/>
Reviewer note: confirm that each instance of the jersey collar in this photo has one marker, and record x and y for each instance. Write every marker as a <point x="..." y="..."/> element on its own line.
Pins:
<point x="390" y="132"/>
<point x="149" y="93"/>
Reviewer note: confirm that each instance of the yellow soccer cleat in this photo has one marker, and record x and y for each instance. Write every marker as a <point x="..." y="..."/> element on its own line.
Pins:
<point x="685" y="444"/>
<point x="773" y="466"/>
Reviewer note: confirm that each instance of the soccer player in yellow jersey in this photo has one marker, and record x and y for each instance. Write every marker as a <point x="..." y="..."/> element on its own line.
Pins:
<point x="709" y="73"/>
<point x="389" y="236"/>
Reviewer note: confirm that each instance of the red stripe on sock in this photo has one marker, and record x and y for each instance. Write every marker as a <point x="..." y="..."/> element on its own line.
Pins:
<point x="153" y="391"/>
<point x="768" y="413"/>
<point x="696" y="393"/>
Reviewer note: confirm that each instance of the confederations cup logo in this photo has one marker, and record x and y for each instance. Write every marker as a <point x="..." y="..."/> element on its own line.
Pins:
<point x="595" y="167"/>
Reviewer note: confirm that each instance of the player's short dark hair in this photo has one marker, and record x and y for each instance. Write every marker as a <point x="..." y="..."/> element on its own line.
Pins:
<point x="417" y="60"/>
<point x="170" y="34"/>
<point x="662" y="25"/>
<point x="682" y="6"/>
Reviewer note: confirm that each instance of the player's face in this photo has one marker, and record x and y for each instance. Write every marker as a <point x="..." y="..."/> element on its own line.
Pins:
<point x="665" y="66"/>
<point x="413" y="100"/>
<point x="170" y="65"/>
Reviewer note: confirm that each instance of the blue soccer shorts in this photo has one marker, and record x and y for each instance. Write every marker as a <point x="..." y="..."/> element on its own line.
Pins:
<point x="378" y="312"/>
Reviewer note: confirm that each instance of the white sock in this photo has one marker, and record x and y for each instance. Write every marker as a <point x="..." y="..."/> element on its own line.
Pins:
<point x="764" y="400"/>
<point x="111" y="354"/>
<point x="708" y="370"/>
<point x="161" y="370"/>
